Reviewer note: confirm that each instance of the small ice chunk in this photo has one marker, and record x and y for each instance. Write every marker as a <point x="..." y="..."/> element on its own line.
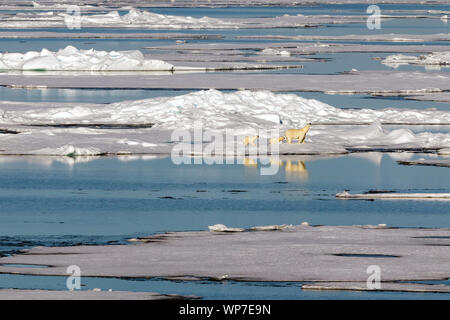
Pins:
<point x="223" y="228"/>
<point x="270" y="228"/>
<point x="275" y="52"/>
<point x="371" y="226"/>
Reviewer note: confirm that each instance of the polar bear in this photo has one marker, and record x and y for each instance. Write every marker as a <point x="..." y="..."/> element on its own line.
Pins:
<point x="250" y="140"/>
<point x="297" y="134"/>
<point x="276" y="140"/>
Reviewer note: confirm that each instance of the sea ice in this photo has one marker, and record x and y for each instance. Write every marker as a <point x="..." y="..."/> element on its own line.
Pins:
<point x="424" y="162"/>
<point x="224" y="228"/>
<point x="92" y="129"/>
<point x="299" y="253"/>
<point x="373" y="82"/>
<point x="432" y="59"/>
<point x="242" y="109"/>
<point x="21" y="294"/>
<point x="136" y="18"/>
<point x="393" y="195"/>
<point x="73" y="59"/>
<point x="275" y="52"/>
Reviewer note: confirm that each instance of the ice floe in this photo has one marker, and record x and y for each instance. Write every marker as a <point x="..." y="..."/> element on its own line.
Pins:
<point x="21" y="294"/>
<point x="275" y="52"/>
<point x="392" y="37"/>
<point x="271" y="227"/>
<point x="242" y="109"/>
<point x="373" y="82"/>
<point x="426" y="162"/>
<point x="432" y="59"/>
<point x="299" y="253"/>
<point x="136" y="18"/>
<point x="68" y="150"/>
<point x="146" y="126"/>
<point x="73" y="59"/>
<point x="393" y="195"/>
<point x="224" y="228"/>
<point x="106" y="35"/>
<point x="437" y="97"/>
<point x="362" y="286"/>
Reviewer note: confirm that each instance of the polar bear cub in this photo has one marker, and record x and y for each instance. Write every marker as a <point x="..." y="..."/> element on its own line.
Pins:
<point x="276" y="140"/>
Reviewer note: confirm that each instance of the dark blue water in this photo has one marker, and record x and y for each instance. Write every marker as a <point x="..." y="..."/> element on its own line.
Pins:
<point x="110" y="200"/>
<point x="231" y="290"/>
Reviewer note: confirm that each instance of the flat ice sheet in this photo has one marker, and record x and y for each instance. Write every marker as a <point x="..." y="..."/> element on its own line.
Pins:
<point x="16" y="294"/>
<point x="97" y="35"/>
<point x="362" y="286"/>
<point x="428" y="162"/>
<point x="296" y="47"/>
<point x="438" y="97"/>
<point x="381" y="82"/>
<point x="393" y="37"/>
<point x="298" y="253"/>
<point x="393" y="195"/>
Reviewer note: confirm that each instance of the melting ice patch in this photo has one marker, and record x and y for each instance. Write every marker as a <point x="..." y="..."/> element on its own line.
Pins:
<point x="73" y="59"/>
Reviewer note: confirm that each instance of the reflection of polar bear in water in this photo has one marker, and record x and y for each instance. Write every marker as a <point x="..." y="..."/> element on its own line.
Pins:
<point x="297" y="134"/>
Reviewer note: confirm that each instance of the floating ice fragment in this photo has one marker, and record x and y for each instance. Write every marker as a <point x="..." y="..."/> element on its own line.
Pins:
<point x="270" y="228"/>
<point x="223" y="228"/>
<point x="371" y="226"/>
<point x="275" y="52"/>
<point x="394" y="195"/>
<point x="68" y="150"/>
